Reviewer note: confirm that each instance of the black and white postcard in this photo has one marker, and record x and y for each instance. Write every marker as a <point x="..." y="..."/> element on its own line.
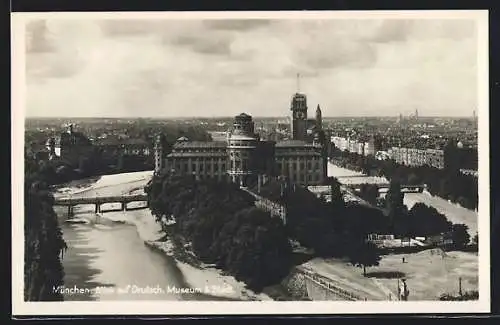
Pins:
<point x="198" y="163"/>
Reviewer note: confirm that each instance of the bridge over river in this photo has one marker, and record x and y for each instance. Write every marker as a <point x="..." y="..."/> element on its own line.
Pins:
<point x="98" y="201"/>
<point x="382" y="188"/>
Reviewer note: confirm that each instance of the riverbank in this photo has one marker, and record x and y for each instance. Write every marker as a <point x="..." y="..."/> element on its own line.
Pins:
<point x="348" y="176"/>
<point x="197" y="275"/>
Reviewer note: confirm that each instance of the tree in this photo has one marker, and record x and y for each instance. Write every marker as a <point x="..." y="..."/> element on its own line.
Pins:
<point x="224" y="227"/>
<point x="413" y="179"/>
<point x="451" y="161"/>
<point x="360" y="163"/>
<point x="427" y="221"/>
<point x="364" y="255"/>
<point x="448" y="183"/>
<point x="475" y="239"/>
<point x="394" y="202"/>
<point x="469" y="295"/>
<point x="332" y="244"/>
<point x="43" y="241"/>
<point x="369" y="192"/>
<point x="336" y="193"/>
<point x="85" y="165"/>
<point x="460" y="235"/>
<point x="463" y="202"/>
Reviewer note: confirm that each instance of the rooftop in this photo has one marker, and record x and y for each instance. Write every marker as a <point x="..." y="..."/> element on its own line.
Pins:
<point x="110" y="141"/>
<point x="36" y="147"/>
<point x="210" y="154"/>
<point x="200" y="144"/>
<point x="293" y="143"/>
<point x="78" y="138"/>
<point x="244" y="116"/>
<point x="235" y="136"/>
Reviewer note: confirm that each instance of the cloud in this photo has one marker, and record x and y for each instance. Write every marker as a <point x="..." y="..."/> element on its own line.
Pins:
<point x="126" y="28"/>
<point x="392" y="31"/>
<point x="37" y="37"/>
<point x="189" y="34"/>
<point x="47" y="56"/>
<point x="400" y="30"/>
<point x="315" y="47"/>
<point x="216" y="44"/>
<point x="345" y="54"/>
<point x="236" y="24"/>
<point x="174" y="68"/>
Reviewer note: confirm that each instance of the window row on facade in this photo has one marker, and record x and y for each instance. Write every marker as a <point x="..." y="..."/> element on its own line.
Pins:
<point x="417" y="157"/>
<point x="183" y="165"/>
<point x="297" y="170"/>
<point x="301" y="165"/>
<point x="312" y="178"/>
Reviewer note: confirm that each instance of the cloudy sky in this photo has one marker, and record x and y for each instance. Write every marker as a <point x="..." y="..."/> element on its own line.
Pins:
<point x="172" y="68"/>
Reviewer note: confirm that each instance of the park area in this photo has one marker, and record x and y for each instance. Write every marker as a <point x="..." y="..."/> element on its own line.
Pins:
<point x="428" y="273"/>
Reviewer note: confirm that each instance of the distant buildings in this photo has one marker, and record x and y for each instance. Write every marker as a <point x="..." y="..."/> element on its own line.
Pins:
<point x="401" y="155"/>
<point x="355" y="146"/>
<point x="113" y="147"/>
<point x="245" y="158"/>
<point x="70" y="146"/>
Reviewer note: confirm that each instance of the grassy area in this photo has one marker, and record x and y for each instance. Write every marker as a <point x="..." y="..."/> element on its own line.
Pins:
<point x="429" y="274"/>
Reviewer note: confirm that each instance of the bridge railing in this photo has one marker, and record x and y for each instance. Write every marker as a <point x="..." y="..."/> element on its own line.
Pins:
<point x="330" y="285"/>
<point x="275" y="209"/>
<point x="99" y="200"/>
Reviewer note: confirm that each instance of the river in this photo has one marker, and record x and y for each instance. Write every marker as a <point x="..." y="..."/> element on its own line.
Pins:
<point x="111" y="256"/>
<point x="453" y="212"/>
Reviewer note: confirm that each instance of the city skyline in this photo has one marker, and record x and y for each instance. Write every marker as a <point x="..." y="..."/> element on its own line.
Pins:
<point x="216" y="68"/>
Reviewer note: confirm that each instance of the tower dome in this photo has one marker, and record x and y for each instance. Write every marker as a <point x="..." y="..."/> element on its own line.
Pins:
<point x="242" y="142"/>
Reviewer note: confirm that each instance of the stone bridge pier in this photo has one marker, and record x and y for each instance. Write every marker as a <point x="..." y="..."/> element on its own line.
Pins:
<point x="99" y="201"/>
<point x="123" y="206"/>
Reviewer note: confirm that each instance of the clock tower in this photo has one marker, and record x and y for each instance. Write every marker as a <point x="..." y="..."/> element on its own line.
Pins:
<point x="299" y="117"/>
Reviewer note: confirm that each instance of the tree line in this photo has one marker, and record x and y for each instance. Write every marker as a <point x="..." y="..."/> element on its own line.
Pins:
<point x="223" y="226"/>
<point x="421" y="220"/>
<point x="330" y="229"/>
<point x="95" y="162"/>
<point x="43" y="241"/>
<point x="448" y="183"/>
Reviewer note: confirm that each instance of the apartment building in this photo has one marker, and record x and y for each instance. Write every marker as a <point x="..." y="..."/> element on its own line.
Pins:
<point x="417" y="157"/>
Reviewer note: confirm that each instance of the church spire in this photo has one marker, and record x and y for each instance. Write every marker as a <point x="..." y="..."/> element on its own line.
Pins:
<point x="319" y="119"/>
